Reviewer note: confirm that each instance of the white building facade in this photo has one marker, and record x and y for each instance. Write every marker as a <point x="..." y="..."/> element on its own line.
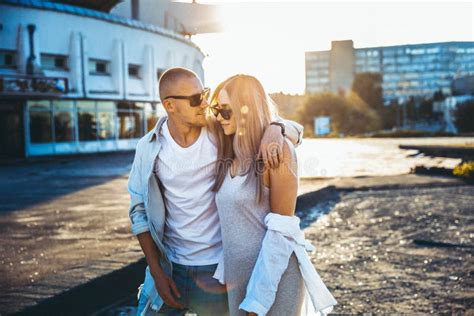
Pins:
<point x="75" y="80"/>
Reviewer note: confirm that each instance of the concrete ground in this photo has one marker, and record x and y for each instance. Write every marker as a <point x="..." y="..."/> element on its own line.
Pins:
<point x="407" y="250"/>
<point x="64" y="225"/>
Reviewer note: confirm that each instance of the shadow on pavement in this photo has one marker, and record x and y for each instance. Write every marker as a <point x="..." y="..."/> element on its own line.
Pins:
<point x="25" y="184"/>
<point x="91" y="297"/>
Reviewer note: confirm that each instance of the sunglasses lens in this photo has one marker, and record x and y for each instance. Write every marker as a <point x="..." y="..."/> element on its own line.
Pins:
<point x="195" y="100"/>
<point x="226" y="114"/>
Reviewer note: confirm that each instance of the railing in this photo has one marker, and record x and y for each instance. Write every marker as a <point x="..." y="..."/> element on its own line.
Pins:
<point x="27" y="85"/>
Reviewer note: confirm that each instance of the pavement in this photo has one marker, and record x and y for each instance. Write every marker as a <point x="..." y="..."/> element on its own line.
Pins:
<point x="404" y="251"/>
<point x="63" y="223"/>
<point x="66" y="242"/>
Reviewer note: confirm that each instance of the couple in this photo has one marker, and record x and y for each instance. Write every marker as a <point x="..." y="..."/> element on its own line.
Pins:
<point x="215" y="223"/>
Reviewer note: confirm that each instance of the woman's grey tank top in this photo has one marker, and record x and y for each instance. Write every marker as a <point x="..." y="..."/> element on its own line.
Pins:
<point x="243" y="229"/>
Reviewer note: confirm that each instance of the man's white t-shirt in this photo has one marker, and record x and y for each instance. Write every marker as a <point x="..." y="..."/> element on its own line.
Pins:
<point x="192" y="233"/>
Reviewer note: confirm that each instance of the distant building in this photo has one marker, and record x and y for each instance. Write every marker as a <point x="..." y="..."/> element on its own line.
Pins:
<point x="77" y="79"/>
<point x="463" y="86"/>
<point x="408" y="70"/>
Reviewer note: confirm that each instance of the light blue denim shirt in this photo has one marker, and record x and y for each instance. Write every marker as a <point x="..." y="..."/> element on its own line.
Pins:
<point x="147" y="208"/>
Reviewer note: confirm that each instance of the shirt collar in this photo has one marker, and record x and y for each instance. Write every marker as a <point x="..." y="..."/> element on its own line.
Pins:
<point x="157" y="130"/>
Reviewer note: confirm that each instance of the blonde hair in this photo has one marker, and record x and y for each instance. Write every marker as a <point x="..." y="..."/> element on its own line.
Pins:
<point x="253" y="111"/>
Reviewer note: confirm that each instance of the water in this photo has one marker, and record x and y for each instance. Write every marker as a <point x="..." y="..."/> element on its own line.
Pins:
<point x="369" y="156"/>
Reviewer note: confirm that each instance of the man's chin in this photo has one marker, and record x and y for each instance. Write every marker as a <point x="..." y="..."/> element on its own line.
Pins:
<point x="201" y="121"/>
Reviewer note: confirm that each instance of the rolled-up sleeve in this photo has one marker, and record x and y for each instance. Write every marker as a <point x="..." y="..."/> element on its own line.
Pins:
<point x="298" y="127"/>
<point x="137" y="212"/>
<point x="300" y="130"/>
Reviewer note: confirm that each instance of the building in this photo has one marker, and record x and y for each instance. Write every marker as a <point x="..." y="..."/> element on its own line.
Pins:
<point x="408" y="70"/>
<point x="463" y="86"/>
<point x="78" y="79"/>
<point x="463" y="91"/>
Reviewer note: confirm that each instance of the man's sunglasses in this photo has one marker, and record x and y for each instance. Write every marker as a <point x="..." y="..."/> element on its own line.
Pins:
<point x="225" y="113"/>
<point x="195" y="99"/>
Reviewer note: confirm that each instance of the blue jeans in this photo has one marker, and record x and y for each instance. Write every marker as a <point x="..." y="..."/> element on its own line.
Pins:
<point x="200" y="293"/>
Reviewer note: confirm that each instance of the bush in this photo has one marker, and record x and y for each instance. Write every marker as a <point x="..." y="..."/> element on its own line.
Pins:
<point x="465" y="170"/>
<point x="350" y="115"/>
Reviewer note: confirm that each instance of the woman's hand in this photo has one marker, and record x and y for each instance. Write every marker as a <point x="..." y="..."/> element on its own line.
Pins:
<point x="251" y="314"/>
<point x="271" y="147"/>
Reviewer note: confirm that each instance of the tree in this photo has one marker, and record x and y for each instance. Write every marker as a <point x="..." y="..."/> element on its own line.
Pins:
<point x="464" y="117"/>
<point x="438" y="96"/>
<point x="349" y="114"/>
<point x="389" y="115"/>
<point x="368" y="86"/>
<point x="426" y="108"/>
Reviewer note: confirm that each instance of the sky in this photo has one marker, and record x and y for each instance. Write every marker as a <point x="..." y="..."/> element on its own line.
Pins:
<point x="268" y="39"/>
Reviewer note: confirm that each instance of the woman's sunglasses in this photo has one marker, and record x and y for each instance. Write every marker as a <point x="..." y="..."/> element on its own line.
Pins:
<point x="225" y="113"/>
<point x="195" y="99"/>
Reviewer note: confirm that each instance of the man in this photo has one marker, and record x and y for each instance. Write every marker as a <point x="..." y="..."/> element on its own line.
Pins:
<point x="172" y="208"/>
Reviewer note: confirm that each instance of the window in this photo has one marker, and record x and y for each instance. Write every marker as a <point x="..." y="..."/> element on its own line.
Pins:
<point x="150" y="116"/>
<point x="40" y="122"/>
<point x="87" y="119"/>
<point x="99" y="67"/>
<point x="106" y="119"/>
<point x="54" y="62"/>
<point x="64" y="123"/>
<point x="134" y="70"/>
<point x="130" y="120"/>
<point x="7" y="59"/>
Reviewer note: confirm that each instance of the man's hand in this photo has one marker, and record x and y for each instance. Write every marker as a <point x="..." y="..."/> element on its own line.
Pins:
<point x="271" y="147"/>
<point x="166" y="288"/>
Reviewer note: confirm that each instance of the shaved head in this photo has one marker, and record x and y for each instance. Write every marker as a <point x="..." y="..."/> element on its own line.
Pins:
<point x="170" y="80"/>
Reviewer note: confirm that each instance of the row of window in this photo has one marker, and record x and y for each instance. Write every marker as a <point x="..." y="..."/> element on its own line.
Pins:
<point x="367" y="53"/>
<point x="70" y="121"/>
<point x="418" y="75"/>
<point x="318" y="62"/>
<point x="317" y="80"/>
<point x="425" y="59"/>
<point x="365" y="68"/>
<point x="317" y="72"/>
<point x="61" y="63"/>
<point x="416" y="83"/>
<point x="411" y="92"/>
<point x="413" y="51"/>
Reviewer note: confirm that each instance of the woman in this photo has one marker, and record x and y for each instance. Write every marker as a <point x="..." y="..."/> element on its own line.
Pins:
<point x="246" y="194"/>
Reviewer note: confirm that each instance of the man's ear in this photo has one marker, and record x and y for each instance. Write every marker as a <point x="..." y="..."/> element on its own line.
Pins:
<point x="169" y="107"/>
